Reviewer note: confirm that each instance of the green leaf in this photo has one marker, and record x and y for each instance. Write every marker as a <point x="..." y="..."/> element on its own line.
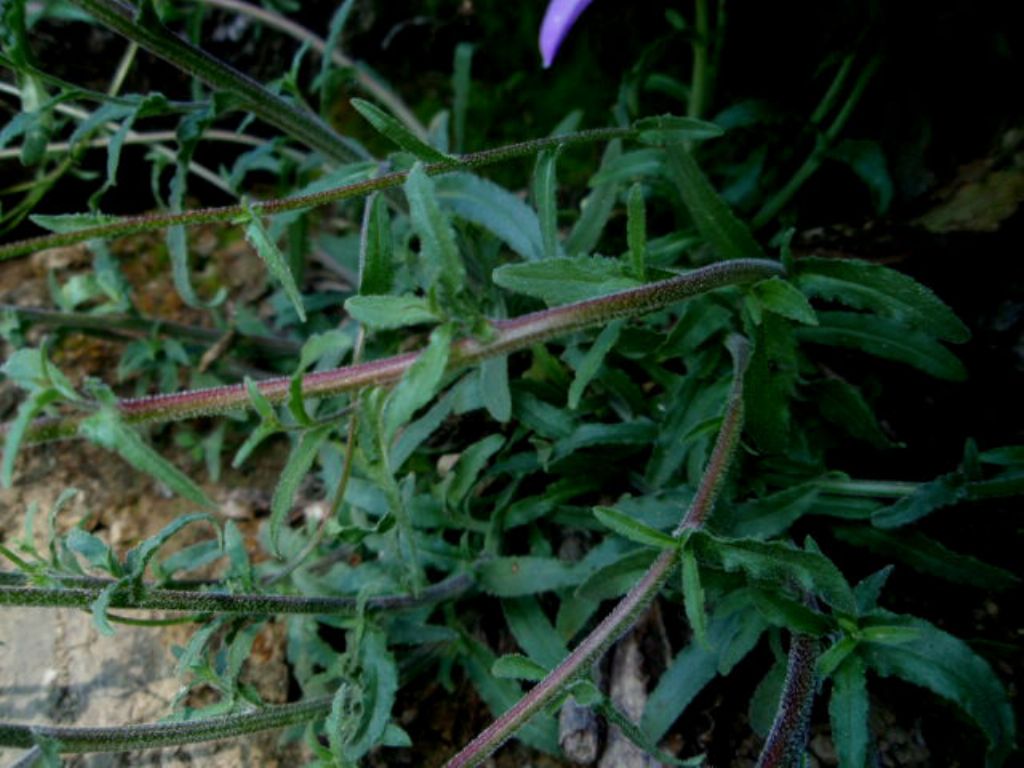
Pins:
<point x="441" y="263"/>
<point x="138" y="557"/>
<point x="630" y="166"/>
<point x="30" y="370"/>
<point x="770" y="382"/>
<point x="867" y="160"/>
<point x="420" y="382"/>
<point x="461" y="81"/>
<point x="596" y="208"/>
<point x="494" y="208"/>
<point x="494" y="389"/>
<point x="715" y="221"/>
<point x="734" y="628"/>
<point x="29" y="408"/>
<point x="517" y="667"/>
<point x="941" y="492"/>
<point x="782" y="298"/>
<point x="948" y="667"/>
<point x="782" y="611"/>
<point x="592" y="360"/>
<point x="565" y="280"/>
<point x="632" y="530"/>
<point x="300" y="460"/>
<point x="395" y="131"/>
<point x="384" y="312"/>
<point x="693" y="596"/>
<point x="106" y="429"/>
<point x="636" y="231"/>
<point x="844" y="405"/>
<point x="376" y="272"/>
<point x="885" y="338"/>
<point x="533" y="632"/>
<point x="257" y="234"/>
<point x="541" y="731"/>
<point x="544" y="197"/>
<point x="765" y="701"/>
<point x="99" y="609"/>
<point x="848" y="713"/>
<point x="869" y="286"/>
<point x="778" y="563"/>
<point x="469" y="466"/>
<point x="94" y="550"/>
<point x="928" y="556"/>
<point x="663" y="130"/>
<point x="526" y="575"/>
<point x="868" y="589"/>
<point x="379" y="678"/>
<point x="615" y="579"/>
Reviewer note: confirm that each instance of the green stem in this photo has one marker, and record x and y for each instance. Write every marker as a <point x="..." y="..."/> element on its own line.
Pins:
<point x="130" y="225"/>
<point x="887" y="489"/>
<point x="824" y="141"/>
<point x="507" y="336"/>
<point x="139" y="27"/>
<point x="149" y="735"/>
<point x="626" y="612"/>
<point x="699" y="76"/>
<point x="141" y="327"/>
<point x="83" y="595"/>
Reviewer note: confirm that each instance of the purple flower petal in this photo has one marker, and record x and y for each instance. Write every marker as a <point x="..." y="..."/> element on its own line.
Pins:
<point x="558" y="20"/>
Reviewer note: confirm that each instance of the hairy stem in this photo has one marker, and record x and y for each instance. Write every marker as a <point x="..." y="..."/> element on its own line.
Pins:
<point x="788" y="734"/>
<point x="149" y="735"/>
<point x="139" y="27"/>
<point x="83" y="593"/>
<point x="129" y="225"/>
<point x="626" y="612"/>
<point x="507" y="336"/>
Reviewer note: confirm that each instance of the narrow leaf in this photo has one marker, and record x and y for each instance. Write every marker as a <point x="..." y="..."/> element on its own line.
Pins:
<point x="440" y="257"/>
<point x="885" y="338"/>
<point x="518" y="667"/>
<point x="715" y="221"/>
<point x="943" y="491"/>
<point x="494" y="388"/>
<point x="375" y="268"/>
<point x="632" y="530"/>
<point x="392" y="129"/>
<point x="848" y="713"/>
<point x="663" y="130"/>
<point x="565" y="280"/>
<point x="494" y="208"/>
<point x="947" y="666"/>
<point x="928" y="556"/>
<point x="544" y="198"/>
<point x="782" y="298"/>
<point x="592" y="360"/>
<point x="865" y="285"/>
<point x="106" y="429"/>
<point x="597" y="207"/>
<point x="384" y="312"/>
<point x="420" y="382"/>
<point x="257" y="234"/>
<point x="693" y="596"/>
<point x="636" y="231"/>
<point x="526" y="575"/>
<point x="300" y="460"/>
